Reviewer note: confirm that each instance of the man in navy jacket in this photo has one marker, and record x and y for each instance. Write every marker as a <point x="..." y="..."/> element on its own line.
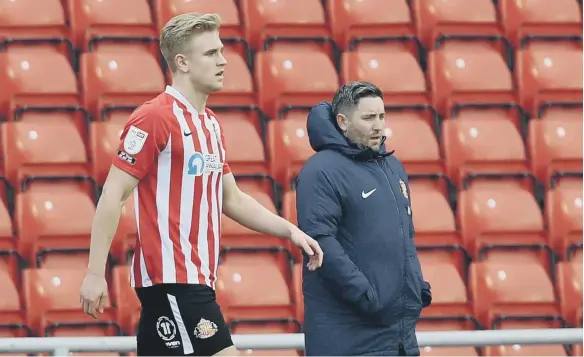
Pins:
<point x="353" y="197"/>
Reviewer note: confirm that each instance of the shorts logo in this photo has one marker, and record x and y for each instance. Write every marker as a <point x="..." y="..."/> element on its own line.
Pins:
<point x="129" y="159"/>
<point x="205" y="329"/>
<point x="134" y="141"/>
<point x="166" y="328"/>
<point x="204" y="164"/>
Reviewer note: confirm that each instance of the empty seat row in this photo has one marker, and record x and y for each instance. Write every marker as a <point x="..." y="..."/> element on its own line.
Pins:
<point x="86" y="22"/>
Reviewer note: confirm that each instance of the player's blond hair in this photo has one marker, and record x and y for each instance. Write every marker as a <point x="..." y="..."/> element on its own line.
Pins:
<point x="178" y="31"/>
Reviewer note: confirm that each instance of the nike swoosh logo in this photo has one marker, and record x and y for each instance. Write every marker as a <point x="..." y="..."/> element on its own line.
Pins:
<point x="367" y="194"/>
<point x="187" y="134"/>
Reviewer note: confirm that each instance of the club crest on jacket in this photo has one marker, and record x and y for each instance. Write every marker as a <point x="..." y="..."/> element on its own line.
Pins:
<point x="404" y="189"/>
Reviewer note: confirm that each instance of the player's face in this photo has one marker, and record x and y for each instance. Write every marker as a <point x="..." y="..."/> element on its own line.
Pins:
<point x="366" y="123"/>
<point x="206" y="62"/>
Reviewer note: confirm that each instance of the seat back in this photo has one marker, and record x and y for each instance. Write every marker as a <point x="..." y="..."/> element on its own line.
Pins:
<point x="125" y="299"/>
<point x="564" y="215"/>
<point x="245" y="149"/>
<point x="32" y="19"/>
<point x="238" y="87"/>
<point x="104" y="138"/>
<point x="569" y="290"/>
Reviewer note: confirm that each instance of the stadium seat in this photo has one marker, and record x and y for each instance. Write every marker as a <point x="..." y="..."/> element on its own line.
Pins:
<point x="296" y="286"/>
<point x="245" y="149"/>
<point x="293" y="78"/>
<point x="243" y="296"/>
<point x="53" y="222"/>
<point x="125" y="300"/>
<point x="6" y="228"/>
<point x="563" y="213"/>
<point x="51" y="300"/>
<point x="227" y="9"/>
<point x="12" y="320"/>
<point x="94" y="22"/>
<point x="394" y="70"/>
<point x="449" y="296"/>
<point x="495" y="214"/>
<point x="118" y="78"/>
<point x="414" y="142"/>
<point x="235" y="235"/>
<point x="354" y="22"/>
<point x="264" y="19"/>
<point x="434" y="18"/>
<point x="253" y="327"/>
<point x="555" y="148"/>
<point x="288" y="147"/>
<point x="549" y="72"/>
<point x="569" y="290"/>
<point x="36" y="77"/>
<point x="125" y="239"/>
<point x="104" y="139"/>
<point x="256" y="352"/>
<point x="468" y="73"/>
<point x="504" y="290"/>
<point x="32" y="153"/>
<point x="445" y="325"/>
<point x="525" y="350"/>
<point x="576" y="350"/>
<point x="540" y="17"/>
<point x="469" y="150"/>
<point x="41" y="20"/>
<point x="238" y="87"/>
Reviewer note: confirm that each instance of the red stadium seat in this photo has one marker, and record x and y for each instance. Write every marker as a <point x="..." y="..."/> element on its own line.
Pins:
<point x="353" y="22"/>
<point x="468" y="73"/>
<point x="525" y="350"/>
<point x="51" y="221"/>
<point x="549" y="72"/>
<point x="445" y="325"/>
<point x="501" y="290"/>
<point x="125" y="300"/>
<point x="540" y="17"/>
<point x="434" y="18"/>
<point x="414" y="142"/>
<point x="498" y="214"/>
<point x="243" y="296"/>
<point x="104" y="139"/>
<point x="227" y="9"/>
<point x="238" y="88"/>
<point x="468" y="148"/>
<point x="125" y="239"/>
<point x="260" y="327"/>
<point x="555" y="147"/>
<point x="33" y="19"/>
<point x="93" y="20"/>
<point x="448" y="351"/>
<point x="245" y="149"/>
<point x="116" y="78"/>
<point x="564" y="216"/>
<point x="300" y="77"/>
<point x="569" y="289"/>
<point x="288" y="147"/>
<point x="449" y="296"/>
<point x="36" y="77"/>
<point x="51" y="299"/>
<point x="264" y="19"/>
<point x="298" y="296"/>
<point x="576" y="350"/>
<point x="32" y="150"/>
<point x="394" y="70"/>
<point x="10" y="309"/>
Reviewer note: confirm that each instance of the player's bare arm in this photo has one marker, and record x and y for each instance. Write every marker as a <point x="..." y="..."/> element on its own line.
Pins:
<point x="248" y="212"/>
<point x="116" y="190"/>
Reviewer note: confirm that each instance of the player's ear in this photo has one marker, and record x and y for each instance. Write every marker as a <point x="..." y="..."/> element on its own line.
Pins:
<point x="342" y="122"/>
<point x="181" y="63"/>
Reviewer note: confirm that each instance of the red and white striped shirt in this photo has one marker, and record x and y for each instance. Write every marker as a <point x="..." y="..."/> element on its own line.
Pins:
<point x="179" y="157"/>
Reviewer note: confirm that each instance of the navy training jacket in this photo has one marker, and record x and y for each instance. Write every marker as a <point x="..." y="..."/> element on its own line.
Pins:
<point x="368" y="295"/>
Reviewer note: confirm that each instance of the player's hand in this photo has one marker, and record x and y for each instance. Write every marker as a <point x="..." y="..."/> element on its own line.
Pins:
<point x="93" y="294"/>
<point x="309" y="246"/>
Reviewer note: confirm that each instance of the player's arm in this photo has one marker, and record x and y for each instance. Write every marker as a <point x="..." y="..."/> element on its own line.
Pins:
<point x="248" y="212"/>
<point x="116" y="190"/>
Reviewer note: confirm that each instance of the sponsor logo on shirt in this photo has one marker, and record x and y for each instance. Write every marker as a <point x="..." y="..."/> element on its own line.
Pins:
<point x="204" y="164"/>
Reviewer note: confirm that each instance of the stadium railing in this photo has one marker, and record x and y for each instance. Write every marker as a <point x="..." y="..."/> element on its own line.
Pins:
<point x="62" y="346"/>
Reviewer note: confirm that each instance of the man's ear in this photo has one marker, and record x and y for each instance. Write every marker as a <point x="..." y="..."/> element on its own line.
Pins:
<point x="342" y="122"/>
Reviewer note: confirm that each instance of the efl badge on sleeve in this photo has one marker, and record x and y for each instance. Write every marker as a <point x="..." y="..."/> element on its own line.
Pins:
<point x="134" y="141"/>
<point x="404" y="189"/>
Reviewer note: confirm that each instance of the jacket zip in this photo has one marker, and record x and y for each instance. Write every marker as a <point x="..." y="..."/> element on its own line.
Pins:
<point x="401" y="327"/>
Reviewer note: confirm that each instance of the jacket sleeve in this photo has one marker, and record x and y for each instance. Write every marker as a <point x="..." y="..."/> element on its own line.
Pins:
<point x="319" y="211"/>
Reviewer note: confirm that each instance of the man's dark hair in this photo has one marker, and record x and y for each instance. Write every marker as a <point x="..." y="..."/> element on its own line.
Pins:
<point x="348" y="96"/>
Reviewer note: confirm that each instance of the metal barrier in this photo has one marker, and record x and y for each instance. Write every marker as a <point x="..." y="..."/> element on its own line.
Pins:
<point x="61" y="346"/>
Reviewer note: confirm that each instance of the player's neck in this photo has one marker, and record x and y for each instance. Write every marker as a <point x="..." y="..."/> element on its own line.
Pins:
<point x="197" y="99"/>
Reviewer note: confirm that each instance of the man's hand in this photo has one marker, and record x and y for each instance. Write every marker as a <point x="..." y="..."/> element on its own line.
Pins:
<point x="93" y="294"/>
<point x="308" y="245"/>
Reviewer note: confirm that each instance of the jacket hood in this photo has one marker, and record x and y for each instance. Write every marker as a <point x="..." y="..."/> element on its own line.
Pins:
<point x="324" y="134"/>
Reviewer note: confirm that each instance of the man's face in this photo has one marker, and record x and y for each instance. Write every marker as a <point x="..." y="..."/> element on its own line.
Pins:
<point x="364" y="125"/>
<point x="206" y="62"/>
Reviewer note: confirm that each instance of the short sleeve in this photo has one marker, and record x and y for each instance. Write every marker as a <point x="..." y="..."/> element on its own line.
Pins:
<point x="143" y="138"/>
